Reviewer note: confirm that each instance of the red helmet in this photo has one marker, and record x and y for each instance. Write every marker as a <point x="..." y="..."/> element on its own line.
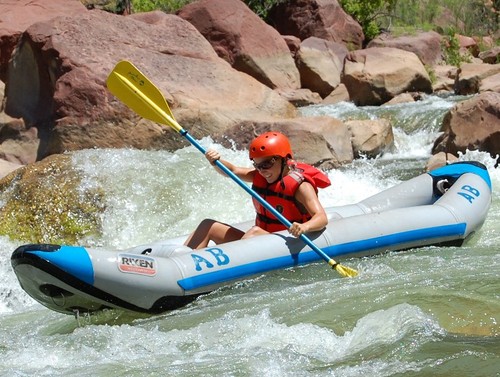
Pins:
<point x="270" y="144"/>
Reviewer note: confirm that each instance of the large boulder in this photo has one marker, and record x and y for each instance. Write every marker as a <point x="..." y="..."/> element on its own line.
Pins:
<point x="320" y="63"/>
<point x="427" y="45"/>
<point x="18" y="144"/>
<point x="445" y="77"/>
<point x="56" y="82"/>
<point x="246" y="42"/>
<point x="371" y="137"/>
<point x="472" y="75"/>
<point x="16" y="16"/>
<point x="468" y="45"/>
<point x="376" y="75"/>
<point x="44" y="202"/>
<point x="472" y="124"/>
<point x="491" y="56"/>
<point x="490" y="84"/>
<point x="324" y="19"/>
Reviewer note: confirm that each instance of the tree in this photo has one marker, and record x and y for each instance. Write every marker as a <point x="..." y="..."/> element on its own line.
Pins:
<point x="478" y="17"/>
<point x="368" y="13"/>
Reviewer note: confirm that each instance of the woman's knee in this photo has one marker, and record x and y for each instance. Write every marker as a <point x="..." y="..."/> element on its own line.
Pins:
<point x="206" y="224"/>
<point x="254" y="231"/>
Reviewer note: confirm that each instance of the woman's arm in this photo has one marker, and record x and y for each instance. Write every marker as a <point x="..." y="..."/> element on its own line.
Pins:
<point x="307" y="196"/>
<point x="245" y="174"/>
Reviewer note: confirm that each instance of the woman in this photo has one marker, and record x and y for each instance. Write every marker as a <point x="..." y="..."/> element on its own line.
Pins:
<point x="290" y="187"/>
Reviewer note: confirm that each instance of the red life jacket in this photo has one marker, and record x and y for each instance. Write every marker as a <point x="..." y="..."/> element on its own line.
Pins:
<point x="281" y="196"/>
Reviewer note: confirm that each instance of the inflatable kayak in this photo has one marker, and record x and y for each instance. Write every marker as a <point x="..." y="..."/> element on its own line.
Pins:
<point x="442" y="207"/>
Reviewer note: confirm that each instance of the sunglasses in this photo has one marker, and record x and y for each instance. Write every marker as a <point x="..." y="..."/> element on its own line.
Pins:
<point x="265" y="165"/>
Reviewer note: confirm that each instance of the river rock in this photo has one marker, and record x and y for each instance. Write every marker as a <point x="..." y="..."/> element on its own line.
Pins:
<point x="471" y="76"/>
<point x="490" y="84"/>
<point x="468" y="45"/>
<point x="439" y="160"/>
<point x="324" y="19"/>
<point x="301" y="97"/>
<point x="371" y="138"/>
<point x="376" y="75"/>
<point x="320" y="63"/>
<point x="16" y="16"/>
<point x="339" y="94"/>
<point x="246" y="42"/>
<point x="445" y="78"/>
<point x="403" y="98"/>
<point x="473" y="124"/>
<point x="44" y="202"/>
<point x="427" y="45"/>
<point x="491" y="56"/>
<point x="18" y="144"/>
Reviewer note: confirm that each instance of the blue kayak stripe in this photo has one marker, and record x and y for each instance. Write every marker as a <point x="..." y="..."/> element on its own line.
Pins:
<point x="291" y="260"/>
<point x="73" y="259"/>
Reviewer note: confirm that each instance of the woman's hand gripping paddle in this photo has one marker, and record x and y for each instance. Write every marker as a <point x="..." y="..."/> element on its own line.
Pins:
<point x="136" y="91"/>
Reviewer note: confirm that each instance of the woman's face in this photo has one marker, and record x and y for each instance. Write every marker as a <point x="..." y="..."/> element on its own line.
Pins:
<point x="268" y="167"/>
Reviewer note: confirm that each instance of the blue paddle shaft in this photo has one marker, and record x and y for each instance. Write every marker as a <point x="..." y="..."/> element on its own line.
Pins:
<point x="256" y="196"/>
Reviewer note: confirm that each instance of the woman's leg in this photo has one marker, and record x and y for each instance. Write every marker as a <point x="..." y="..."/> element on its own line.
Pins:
<point x="211" y="230"/>
<point x="254" y="231"/>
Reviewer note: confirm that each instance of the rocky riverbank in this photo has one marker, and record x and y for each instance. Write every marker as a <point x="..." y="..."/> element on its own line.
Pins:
<point x="225" y="73"/>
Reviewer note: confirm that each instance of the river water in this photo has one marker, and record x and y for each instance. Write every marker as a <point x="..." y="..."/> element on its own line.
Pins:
<point x="425" y="312"/>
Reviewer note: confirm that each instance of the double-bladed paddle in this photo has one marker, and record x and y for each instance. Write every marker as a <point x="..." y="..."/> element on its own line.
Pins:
<point x="135" y="90"/>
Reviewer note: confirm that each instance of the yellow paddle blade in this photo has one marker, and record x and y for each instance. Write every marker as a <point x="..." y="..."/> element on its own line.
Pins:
<point x="136" y="91"/>
<point x="343" y="270"/>
<point x="346" y="271"/>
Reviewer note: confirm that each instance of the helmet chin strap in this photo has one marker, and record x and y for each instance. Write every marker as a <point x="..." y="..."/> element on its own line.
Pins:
<point x="283" y="164"/>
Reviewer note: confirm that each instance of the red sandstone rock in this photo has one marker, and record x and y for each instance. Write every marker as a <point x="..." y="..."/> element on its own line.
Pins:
<point x="427" y="46"/>
<point x="321" y="63"/>
<point x="376" y="75"/>
<point x="473" y="124"/>
<point x="324" y="19"/>
<point x="246" y="42"/>
<point x="17" y="15"/>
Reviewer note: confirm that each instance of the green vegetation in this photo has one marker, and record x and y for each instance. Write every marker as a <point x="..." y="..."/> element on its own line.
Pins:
<point x="262" y="7"/>
<point x="431" y="73"/>
<point x="467" y="17"/>
<point x="136" y="6"/>
<point x="369" y="13"/>
<point x="169" y="6"/>
<point x="451" y="50"/>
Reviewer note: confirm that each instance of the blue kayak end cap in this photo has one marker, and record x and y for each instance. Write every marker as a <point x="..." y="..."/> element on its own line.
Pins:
<point x="74" y="260"/>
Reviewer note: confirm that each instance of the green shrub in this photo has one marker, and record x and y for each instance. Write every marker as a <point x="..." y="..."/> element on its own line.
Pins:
<point x="368" y="13"/>
<point x="169" y="6"/>
<point x="451" y="49"/>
